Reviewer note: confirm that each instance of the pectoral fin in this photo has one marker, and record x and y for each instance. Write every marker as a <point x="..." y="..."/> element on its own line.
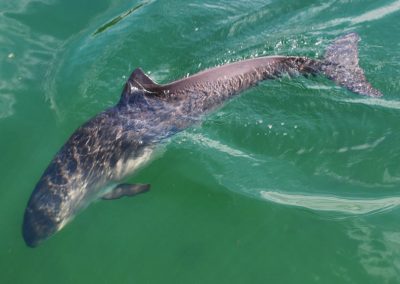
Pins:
<point x="125" y="189"/>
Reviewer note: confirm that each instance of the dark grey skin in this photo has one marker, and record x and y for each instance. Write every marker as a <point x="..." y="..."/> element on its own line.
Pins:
<point x="118" y="141"/>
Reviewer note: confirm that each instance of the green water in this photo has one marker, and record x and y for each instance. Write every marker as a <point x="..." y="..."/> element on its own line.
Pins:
<point x="295" y="181"/>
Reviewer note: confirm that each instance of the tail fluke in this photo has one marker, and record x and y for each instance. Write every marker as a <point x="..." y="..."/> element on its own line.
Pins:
<point x="341" y="65"/>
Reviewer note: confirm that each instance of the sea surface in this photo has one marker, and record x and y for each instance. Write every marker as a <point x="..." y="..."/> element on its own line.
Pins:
<point x="295" y="181"/>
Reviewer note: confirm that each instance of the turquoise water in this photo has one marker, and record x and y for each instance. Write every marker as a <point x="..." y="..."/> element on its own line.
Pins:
<point x="295" y="181"/>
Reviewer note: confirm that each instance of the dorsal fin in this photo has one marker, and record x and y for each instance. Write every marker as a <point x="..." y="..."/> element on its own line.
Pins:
<point x="138" y="83"/>
<point x="141" y="81"/>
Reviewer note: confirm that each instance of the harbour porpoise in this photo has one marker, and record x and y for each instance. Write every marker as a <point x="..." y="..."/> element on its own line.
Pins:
<point x="115" y="143"/>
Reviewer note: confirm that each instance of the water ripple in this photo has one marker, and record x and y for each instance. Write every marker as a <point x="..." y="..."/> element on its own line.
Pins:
<point x="377" y="249"/>
<point x="119" y="18"/>
<point x="371" y="15"/>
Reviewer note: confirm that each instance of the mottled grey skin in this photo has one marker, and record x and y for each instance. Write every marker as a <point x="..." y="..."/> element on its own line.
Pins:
<point x="113" y="144"/>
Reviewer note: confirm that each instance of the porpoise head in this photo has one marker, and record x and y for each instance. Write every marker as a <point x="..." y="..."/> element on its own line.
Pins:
<point x="54" y="201"/>
<point x="38" y="224"/>
<point x="95" y="158"/>
<point x="65" y="187"/>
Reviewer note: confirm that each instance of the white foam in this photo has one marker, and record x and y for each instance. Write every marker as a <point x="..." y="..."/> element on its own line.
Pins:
<point x="377" y="13"/>
<point x="7" y="102"/>
<point x="198" y="138"/>
<point x="361" y="147"/>
<point x="331" y="203"/>
<point x="375" y="102"/>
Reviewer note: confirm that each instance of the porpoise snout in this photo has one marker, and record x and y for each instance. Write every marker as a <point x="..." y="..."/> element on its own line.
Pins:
<point x="37" y="227"/>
